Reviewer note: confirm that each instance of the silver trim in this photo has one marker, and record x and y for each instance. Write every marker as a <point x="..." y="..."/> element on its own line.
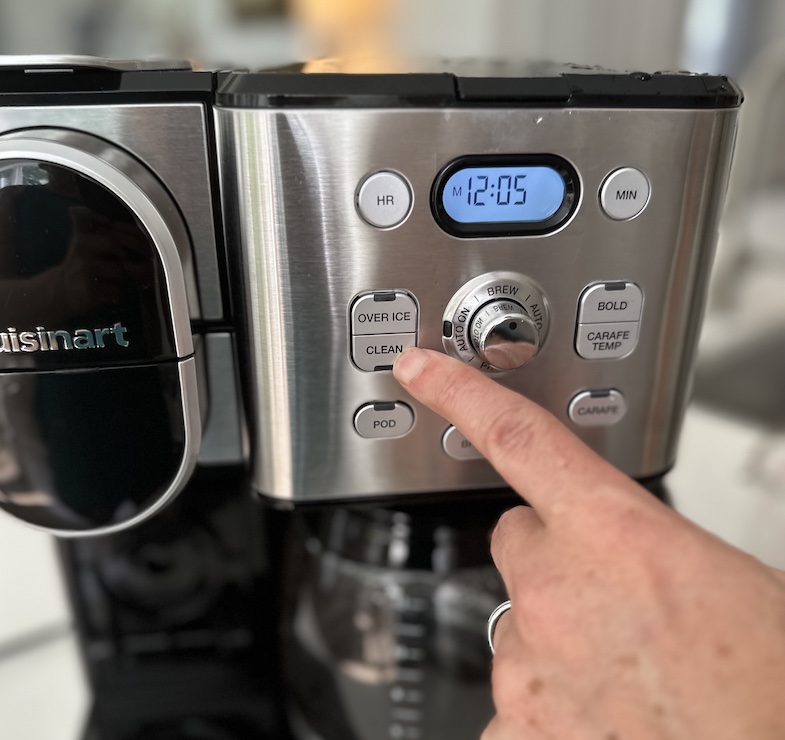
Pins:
<point x="222" y="438"/>
<point x="171" y="140"/>
<point x="192" y="425"/>
<point x="49" y="62"/>
<point x="121" y="175"/>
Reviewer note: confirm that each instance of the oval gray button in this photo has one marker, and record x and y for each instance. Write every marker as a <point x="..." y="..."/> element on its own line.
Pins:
<point x="598" y="408"/>
<point x="384" y="420"/>
<point x="458" y="447"/>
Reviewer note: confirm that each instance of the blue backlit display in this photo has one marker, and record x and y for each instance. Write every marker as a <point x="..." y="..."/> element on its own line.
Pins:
<point x="497" y="195"/>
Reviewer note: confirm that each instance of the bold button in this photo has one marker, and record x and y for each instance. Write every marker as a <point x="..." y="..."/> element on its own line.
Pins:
<point x="458" y="447"/>
<point x="625" y="193"/>
<point x="384" y="200"/>
<point x="606" y="341"/>
<point x="384" y="420"/>
<point x="378" y="351"/>
<point x="609" y="302"/>
<point x="597" y="408"/>
<point x="384" y="312"/>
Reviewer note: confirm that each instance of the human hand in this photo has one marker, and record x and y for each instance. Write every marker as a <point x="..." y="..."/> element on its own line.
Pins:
<point x="628" y="622"/>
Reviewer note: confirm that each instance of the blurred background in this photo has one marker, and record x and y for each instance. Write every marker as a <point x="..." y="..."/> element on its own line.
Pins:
<point x="730" y="475"/>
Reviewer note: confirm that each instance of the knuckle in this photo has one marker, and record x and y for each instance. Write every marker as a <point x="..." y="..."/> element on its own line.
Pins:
<point x="511" y="431"/>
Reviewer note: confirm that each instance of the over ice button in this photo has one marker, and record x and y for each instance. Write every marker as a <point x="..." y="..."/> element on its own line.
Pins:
<point x="597" y="408"/>
<point x="378" y="351"/>
<point x="384" y="312"/>
<point x="384" y="420"/>
<point x="606" y="341"/>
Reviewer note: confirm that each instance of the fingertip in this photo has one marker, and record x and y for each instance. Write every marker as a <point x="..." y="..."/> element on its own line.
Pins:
<point x="409" y="365"/>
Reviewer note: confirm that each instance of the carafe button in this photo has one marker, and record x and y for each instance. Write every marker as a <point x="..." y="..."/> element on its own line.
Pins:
<point x="597" y="408"/>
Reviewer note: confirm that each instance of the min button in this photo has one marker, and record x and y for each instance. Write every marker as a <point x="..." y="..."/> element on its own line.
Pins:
<point x="625" y="193"/>
<point x="384" y="200"/>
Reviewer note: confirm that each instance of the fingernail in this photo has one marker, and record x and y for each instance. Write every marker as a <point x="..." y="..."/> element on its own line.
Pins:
<point x="409" y="364"/>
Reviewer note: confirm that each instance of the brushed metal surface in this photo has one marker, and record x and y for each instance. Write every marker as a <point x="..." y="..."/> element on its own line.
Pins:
<point x="290" y="178"/>
<point x="170" y="140"/>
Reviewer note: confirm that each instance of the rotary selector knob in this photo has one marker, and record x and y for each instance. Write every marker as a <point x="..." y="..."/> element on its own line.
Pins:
<point x="496" y="322"/>
<point x="504" y="336"/>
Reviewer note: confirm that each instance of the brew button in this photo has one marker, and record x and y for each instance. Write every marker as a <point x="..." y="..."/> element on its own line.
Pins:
<point x="625" y="193"/>
<point x="597" y="408"/>
<point x="606" y="341"/>
<point x="384" y="312"/>
<point x="384" y="200"/>
<point x="384" y="420"/>
<point x="609" y="302"/>
<point x="458" y="447"/>
<point x="378" y="351"/>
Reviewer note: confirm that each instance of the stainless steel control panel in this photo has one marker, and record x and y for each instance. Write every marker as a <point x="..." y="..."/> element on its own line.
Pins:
<point x="356" y="237"/>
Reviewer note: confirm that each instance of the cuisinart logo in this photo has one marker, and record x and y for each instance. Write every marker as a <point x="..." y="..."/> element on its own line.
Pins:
<point x="42" y="340"/>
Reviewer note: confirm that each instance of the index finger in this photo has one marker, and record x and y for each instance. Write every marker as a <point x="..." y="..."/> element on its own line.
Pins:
<point x="536" y="454"/>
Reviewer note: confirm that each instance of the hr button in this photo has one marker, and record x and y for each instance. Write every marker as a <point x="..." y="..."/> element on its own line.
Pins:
<point x="384" y="199"/>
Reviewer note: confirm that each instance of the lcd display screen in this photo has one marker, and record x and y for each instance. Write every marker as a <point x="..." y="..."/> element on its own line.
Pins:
<point x="489" y="195"/>
<point x="505" y="195"/>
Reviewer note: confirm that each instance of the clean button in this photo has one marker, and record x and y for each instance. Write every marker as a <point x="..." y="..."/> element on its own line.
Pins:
<point x="384" y="420"/>
<point x="374" y="352"/>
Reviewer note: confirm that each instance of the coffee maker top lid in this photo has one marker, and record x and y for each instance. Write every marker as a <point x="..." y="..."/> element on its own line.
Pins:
<point x="394" y="82"/>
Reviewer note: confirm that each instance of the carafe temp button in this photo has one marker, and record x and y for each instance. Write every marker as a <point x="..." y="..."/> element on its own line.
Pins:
<point x="606" y="341"/>
<point x="384" y="420"/>
<point x="597" y="408"/>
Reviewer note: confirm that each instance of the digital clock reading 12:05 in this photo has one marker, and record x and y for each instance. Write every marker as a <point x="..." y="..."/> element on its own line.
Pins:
<point x="517" y="195"/>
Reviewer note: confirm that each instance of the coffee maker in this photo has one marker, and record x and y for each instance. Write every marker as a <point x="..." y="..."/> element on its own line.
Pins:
<point x="552" y="226"/>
